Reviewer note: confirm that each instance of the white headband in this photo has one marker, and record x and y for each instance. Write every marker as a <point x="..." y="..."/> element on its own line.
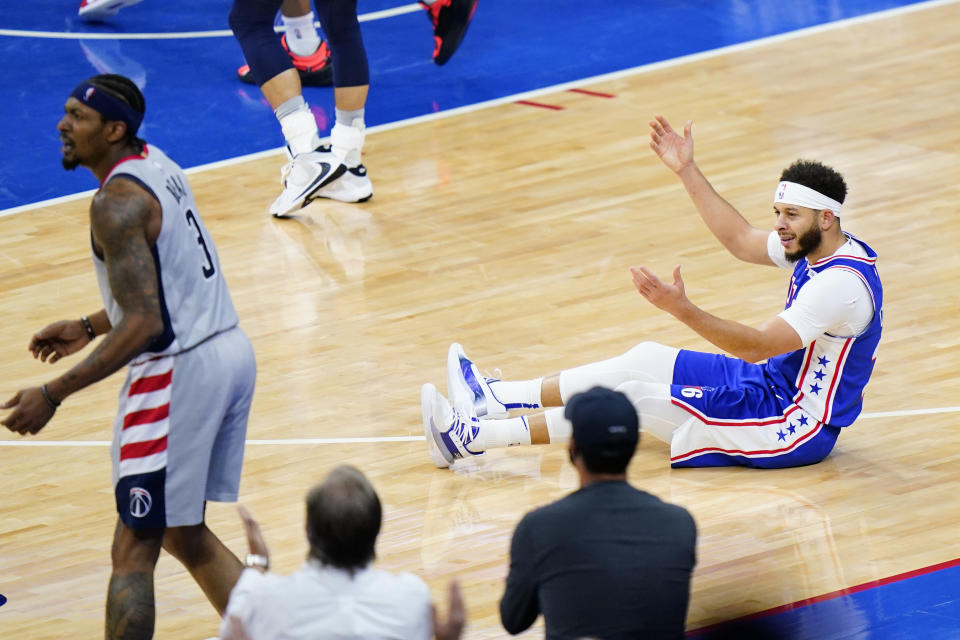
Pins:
<point x="793" y="193"/>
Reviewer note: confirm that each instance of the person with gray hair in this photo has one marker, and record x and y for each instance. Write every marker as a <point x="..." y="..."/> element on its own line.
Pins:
<point x="337" y="594"/>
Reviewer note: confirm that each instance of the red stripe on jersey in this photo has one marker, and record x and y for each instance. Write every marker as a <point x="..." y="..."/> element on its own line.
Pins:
<point x="151" y="383"/>
<point x="796" y="442"/>
<point x="837" y="371"/>
<point x="803" y="373"/>
<point x="734" y="422"/>
<point x="143" y="449"/>
<point x="146" y="416"/>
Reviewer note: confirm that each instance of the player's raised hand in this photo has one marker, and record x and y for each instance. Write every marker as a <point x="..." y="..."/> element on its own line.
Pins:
<point x="674" y="150"/>
<point x="57" y="340"/>
<point x="668" y="297"/>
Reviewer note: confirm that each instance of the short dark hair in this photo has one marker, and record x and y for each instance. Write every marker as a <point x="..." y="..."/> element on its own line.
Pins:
<point x="123" y="88"/>
<point x="612" y="460"/>
<point x="343" y="519"/>
<point x="817" y="176"/>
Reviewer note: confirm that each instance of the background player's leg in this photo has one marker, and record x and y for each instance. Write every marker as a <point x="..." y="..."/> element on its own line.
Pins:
<point x="211" y="564"/>
<point x="130" y="605"/>
<point x="302" y="36"/>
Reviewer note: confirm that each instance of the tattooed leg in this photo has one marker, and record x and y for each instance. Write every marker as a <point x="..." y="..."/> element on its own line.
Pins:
<point x="130" y="606"/>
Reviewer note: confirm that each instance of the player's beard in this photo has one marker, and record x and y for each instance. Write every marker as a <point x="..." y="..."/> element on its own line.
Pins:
<point x="70" y="164"/>
<point x="806" y="242"/>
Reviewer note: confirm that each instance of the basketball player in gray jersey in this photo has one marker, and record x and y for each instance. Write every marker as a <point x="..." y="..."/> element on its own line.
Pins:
<point x="167" y="315"/>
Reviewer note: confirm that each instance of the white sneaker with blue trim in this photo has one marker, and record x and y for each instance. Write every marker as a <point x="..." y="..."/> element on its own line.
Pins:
<point x="448" y="430"/>
<point x="467" y="387"/>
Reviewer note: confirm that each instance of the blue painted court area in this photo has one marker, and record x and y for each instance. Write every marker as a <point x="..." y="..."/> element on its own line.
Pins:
<point x="919" y="604"/>
<point x="199" y="113"/>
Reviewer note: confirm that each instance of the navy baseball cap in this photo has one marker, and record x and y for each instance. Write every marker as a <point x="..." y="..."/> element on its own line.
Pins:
<point x="604" y="422"/>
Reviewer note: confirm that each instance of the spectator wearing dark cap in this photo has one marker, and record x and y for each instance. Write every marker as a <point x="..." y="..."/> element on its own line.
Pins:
<point x="608" y="560"/>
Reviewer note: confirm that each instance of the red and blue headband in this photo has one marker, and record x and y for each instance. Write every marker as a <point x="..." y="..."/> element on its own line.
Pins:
<point x="109" y="106"/>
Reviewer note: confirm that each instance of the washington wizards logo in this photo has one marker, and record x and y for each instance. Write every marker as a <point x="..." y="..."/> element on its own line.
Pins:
<point x="88" y="93"/>
<point x="140" y="502"/>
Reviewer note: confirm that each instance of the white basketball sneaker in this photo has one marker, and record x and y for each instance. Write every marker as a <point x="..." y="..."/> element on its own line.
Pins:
<point x="467" y="388"/>
<point x="352" y="186"/>
<point x="448" y="430"/>
<point x="100" y="9"/>
<point x="302" y="177"/>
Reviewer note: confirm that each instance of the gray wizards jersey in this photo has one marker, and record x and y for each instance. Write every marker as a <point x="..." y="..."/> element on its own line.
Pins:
<point x="194" y="299"/>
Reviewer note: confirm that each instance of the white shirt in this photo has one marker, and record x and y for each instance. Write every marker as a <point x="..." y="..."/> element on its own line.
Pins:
<point x="835" y="301"/>
<point x="321" y="602"/>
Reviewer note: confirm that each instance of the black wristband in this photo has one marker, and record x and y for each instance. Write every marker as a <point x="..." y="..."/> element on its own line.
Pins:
<point x="85" y="321"/>
<point x="47" y="398"/>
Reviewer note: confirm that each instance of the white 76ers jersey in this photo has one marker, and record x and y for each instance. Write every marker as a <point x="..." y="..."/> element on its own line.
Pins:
<point x="194" y="300"/>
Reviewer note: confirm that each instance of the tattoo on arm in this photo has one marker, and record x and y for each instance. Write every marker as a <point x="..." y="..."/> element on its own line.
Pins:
<point x="120" y="219"/>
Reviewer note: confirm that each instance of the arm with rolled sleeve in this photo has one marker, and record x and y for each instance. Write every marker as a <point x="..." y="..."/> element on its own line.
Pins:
<point x="520" y="604"/>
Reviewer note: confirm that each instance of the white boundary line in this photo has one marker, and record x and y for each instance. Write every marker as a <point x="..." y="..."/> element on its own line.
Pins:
<point x="379" y="439"/>
<point x="430" y="117"/>
<point x="216" y="33"/>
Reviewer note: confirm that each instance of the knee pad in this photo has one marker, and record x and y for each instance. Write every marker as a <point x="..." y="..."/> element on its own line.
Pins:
<point x="252" y="24"/>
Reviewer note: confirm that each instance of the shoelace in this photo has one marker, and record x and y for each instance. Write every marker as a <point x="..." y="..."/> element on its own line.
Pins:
<point x="460" y="428"/>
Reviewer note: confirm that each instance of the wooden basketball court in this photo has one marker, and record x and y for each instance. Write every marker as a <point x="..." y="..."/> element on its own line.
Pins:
<point x="510" y="229"/>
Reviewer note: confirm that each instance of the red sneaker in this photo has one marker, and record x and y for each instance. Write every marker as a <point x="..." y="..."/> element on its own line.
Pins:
<point x="450" y="19"/>
<point x="315" y="69"/>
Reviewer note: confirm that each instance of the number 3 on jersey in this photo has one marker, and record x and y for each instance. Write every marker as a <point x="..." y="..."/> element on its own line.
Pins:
<point x="208" y="268"/>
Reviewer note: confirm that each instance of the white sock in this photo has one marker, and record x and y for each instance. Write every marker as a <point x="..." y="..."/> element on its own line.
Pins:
<point x="558" y="427"/>
<point x="302" y="36"/>
<point x="298" y="125"/>
<point x="496" y="434"/>
<point x="518" y="394"/>
<point x="347" y="137"/>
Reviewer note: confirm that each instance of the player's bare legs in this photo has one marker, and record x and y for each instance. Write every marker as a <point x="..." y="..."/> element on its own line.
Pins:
<point x="130" y="605"/>
<point x="211" y="564"/>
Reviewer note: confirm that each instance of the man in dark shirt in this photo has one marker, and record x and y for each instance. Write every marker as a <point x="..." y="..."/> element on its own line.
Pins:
<point x="608" y="561"/>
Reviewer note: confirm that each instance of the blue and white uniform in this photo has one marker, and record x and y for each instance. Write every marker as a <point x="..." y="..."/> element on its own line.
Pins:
<point x="789" y="410"/>
<point x="181" y="424"/>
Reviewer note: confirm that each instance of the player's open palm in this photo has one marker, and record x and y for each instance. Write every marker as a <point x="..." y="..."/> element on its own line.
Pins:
<point x="674" y="150"/>
<point x="665" y="296"/>
<point x="57" y="340"/>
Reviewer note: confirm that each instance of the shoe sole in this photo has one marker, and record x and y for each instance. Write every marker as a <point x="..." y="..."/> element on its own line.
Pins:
<point x="460" y="371"/>
<point x="318" y="196"/>
<point x="110" y="9"/>
<point x="450" y="44"/>
<point x="427" y="394"/>
<point x="459" y="391"/>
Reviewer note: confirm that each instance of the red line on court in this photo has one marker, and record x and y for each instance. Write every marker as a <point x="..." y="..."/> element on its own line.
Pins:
<point x="598" y="94"/>
<point x="540" y="104"/>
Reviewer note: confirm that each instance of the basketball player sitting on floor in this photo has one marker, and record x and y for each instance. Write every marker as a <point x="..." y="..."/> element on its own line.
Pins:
<point x="794" y="383"/>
